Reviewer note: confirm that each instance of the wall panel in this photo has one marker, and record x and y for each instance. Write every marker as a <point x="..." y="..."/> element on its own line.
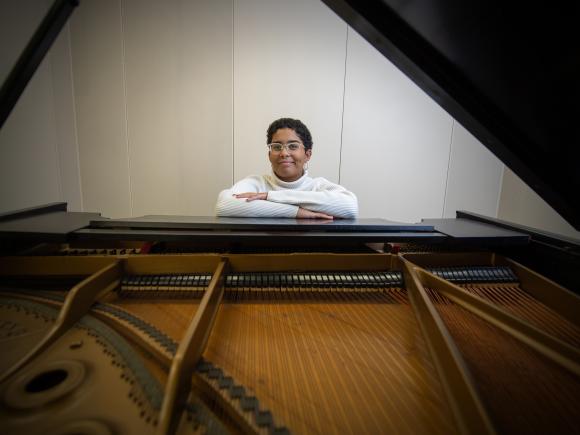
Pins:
<point x="98" y="76"/>
<point x="178" y="58"/>
<point x="475" y="175"/>
<point x="65" y="121"/>
<point x="396" y="139"/>
<point x="288" y="62"/>
<point x="518" y="203"/>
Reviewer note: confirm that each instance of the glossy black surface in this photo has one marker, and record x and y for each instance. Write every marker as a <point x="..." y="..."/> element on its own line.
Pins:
<point x="261" y="238"/>
<point x="552" y="255"/>
<point x="507" y="71"/>
<point x="54" y="226"/>
<point x="465" y="230"/>
<point x="31" y="211"/>
<point x="259" y="224"/>
<point x="569" y="243"/>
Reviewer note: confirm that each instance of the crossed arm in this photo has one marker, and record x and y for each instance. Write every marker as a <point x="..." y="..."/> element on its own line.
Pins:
<point x="332" y="201"/>
<point x="302" y="213"/>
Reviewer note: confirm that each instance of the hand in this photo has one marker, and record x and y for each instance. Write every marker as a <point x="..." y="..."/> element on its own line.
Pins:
<point x="252" y="196"/>
<point x="304" y="213"/>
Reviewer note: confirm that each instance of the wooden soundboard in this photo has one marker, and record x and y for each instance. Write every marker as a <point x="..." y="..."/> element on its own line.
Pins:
<point x="286" y="343"/>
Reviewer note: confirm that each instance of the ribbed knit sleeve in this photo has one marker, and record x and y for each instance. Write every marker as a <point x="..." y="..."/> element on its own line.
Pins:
<point x="326" y="197"/>
<point x="285" y="198"/>
<point x="228" y="205"/>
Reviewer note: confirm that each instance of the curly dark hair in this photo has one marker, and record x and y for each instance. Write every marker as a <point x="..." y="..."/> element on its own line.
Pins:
<point x="296" y="125"/>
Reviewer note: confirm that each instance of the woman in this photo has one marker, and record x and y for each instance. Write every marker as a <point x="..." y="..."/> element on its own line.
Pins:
<point x="288" y="191"/>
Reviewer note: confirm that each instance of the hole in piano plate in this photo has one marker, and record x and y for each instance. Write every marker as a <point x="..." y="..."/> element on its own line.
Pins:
<point x="39" y="386"/>
<point x="46" y="380"/>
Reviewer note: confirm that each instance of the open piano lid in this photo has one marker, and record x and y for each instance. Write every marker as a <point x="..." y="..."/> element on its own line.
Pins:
<point x="508" y="72"/>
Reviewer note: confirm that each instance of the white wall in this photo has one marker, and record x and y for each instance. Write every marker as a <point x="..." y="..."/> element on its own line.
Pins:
<point x="178" y="67"/>
<point x="65" y="122"/>
<point x="154" y="104"/>
<point x="146" y="107"/>
<point x="288" y="62"/>
<point x="99" y="90"/>
<point x="405" y="157"/>
<point x="395" y="140"/>
<point x="474" y="176"/>
<point x="518" y="203"/>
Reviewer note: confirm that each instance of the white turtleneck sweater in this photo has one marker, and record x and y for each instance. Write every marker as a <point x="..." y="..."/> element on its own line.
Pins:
<point x="284" y="198"/>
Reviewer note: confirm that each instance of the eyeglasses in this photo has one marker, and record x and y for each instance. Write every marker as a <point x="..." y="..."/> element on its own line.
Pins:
<point x="291" y="147"/>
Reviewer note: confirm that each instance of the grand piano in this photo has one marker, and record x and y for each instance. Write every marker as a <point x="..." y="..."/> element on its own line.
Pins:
<point x="183" y="324"/>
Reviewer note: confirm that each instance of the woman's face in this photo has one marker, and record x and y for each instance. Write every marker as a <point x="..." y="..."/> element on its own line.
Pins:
<point x="288" y="165"/>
